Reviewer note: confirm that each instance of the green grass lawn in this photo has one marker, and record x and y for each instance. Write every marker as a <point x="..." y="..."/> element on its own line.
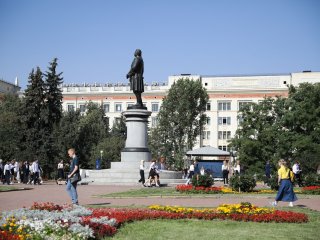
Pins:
<point x="171" y="192"/>
<point x="7" y="188"/>
<point x="217" y="229"/>
<point x="145" y="192"/>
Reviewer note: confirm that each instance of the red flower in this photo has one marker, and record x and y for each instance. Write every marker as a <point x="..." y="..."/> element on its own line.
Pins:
<point x="46" y="206"/>
<point x="200" y="189"/>
<point x="4" y="235"/>
<point x="128" y="215"/>
<point x="311" y="188"/>
<point x="100" y="230"/>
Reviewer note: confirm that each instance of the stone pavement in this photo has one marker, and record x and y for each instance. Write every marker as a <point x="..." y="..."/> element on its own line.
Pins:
<point x="50" y="192"/>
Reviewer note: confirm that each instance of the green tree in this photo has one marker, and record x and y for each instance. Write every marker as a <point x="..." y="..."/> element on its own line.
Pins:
<point x="53" y="94"/>
<point x="10" y="127"/>
<point x="281" y="128"/>
<point x="41" y="111"/>
<point x="258" y="136"/>
<point x="92" y="129"/>
<point x="303" y="122"/>
<point x="35" y="132"/>
<point x="180" y="120"/>
<point x="66" y="135"/>
<point x="53" y="111"/>
<point x="111" y="145"/>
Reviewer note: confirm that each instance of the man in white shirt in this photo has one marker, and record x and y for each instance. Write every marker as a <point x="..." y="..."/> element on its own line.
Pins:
<point x="191" y="173"/>
<point x="7" y="172"/>
<point x="17" y="171"/>
<point x="297" y="172"/>
<point x="36" y="172"/>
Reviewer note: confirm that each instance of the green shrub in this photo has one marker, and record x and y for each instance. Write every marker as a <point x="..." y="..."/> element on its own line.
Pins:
<point x="260" y="177"/>
<point x="274" y="182"/>
<point x="246" y="183"/>
<point x="202" y="181"/>
<point x="311" y="180"/>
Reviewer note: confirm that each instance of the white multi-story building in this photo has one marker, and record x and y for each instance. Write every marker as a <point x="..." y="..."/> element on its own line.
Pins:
<point x="226" y="95"/>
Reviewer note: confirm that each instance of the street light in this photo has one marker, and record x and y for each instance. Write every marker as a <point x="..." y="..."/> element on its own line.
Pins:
<point x="101" y="152"/>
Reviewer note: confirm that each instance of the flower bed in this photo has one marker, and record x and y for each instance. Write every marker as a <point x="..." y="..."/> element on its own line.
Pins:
<point x="311" y="190"/>
<point x="238" y="212"/>
<point x="50" y="221"/>
<point x="213" y="190"/>
<point x="191" y="189"/>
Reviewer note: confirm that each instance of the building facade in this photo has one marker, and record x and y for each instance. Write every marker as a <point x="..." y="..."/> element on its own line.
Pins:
<point x="6" y="87"/>
<point x="226" y="96"/>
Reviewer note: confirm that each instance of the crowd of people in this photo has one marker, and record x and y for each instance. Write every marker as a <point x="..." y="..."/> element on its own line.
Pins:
<point x="30" y="173"/>
<point x="194" y="169"/>
<point x="20" y="172"/>
<point x="296" y="169"/>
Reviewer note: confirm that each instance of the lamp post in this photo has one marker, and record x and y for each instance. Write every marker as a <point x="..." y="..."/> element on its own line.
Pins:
<point x="101" y="153"/>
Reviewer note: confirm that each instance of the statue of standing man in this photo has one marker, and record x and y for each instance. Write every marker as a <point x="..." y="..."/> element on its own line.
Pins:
<point x="135" y="76"/>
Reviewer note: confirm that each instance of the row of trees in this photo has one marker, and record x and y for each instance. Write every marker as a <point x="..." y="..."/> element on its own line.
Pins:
<point x="277" y="128"/>
<point x="34" y="127"/>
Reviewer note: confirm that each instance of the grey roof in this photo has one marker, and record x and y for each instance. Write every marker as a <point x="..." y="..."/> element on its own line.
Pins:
<point x="208" y="151"/>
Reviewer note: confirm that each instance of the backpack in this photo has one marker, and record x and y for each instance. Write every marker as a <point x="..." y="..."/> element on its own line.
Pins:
<point x="291" y="176"/>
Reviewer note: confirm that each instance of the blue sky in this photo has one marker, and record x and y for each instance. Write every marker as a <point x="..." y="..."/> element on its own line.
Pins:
<point x="95" y="40"/>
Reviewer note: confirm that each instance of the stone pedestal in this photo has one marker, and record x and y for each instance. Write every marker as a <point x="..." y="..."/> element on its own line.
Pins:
<point x="136" y="147"/>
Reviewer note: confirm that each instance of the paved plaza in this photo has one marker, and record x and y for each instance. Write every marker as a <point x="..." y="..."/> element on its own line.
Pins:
<point x="51" y="192"/>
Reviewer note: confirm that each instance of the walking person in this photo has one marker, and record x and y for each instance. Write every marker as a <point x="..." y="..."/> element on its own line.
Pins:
<point x="17" y="171"/>
<point x="11" y="165"/>
<point x="142" y="179"/>
<point x="7" y="173"/>
<point x="191" y="173"/>
<point x="297" y="172"/>
<point x="267" y="173"/>
<point x="26" y="172"/>
<point x="36" y="172"/>
<point x="74" y="170"/>
<point x="152" y="175"/>
<point x="31" y="174"/>
<point x="60" y="171"/>
<point x="225" y="173"/>
<point x="285" y="192"/>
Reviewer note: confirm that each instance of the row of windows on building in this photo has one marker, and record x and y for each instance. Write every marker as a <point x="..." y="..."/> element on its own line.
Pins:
<point x="222" y="135"/>
<point x="221" y="121"/>
<point x="155" y="108"/>
<point x="226" y="105"/>
<point x="106" y="107"/>
<point x="222" y="106"/>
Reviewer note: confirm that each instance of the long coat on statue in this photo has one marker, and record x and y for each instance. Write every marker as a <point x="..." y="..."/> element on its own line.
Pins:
<point x="136" y="74"/>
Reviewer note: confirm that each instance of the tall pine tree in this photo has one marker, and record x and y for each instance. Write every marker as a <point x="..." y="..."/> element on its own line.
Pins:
<point x="42" y="111"/>
<point x="53" y="105"/>
<point x="53" y="94"/>
<point x="34" y="118"/>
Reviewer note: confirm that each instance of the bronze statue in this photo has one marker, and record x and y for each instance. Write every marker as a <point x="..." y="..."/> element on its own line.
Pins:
<point x="136" y="78"/>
